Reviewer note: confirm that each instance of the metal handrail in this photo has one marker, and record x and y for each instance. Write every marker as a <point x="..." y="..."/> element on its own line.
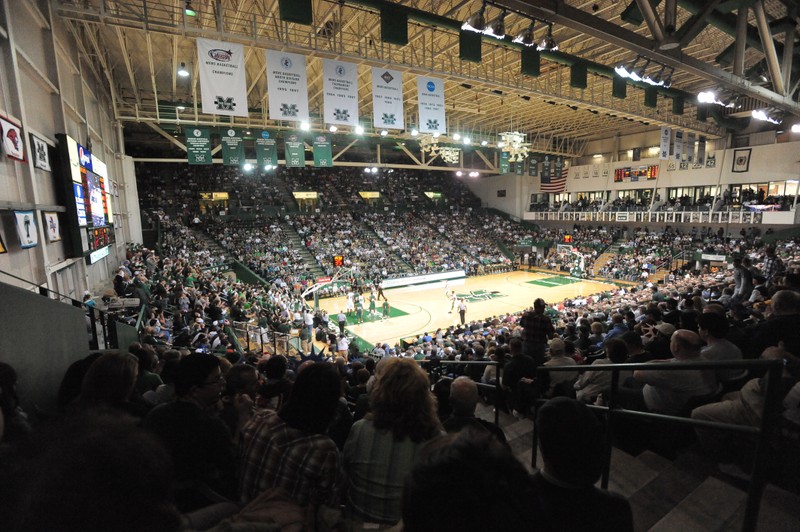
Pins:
<point x="771" y="400"/>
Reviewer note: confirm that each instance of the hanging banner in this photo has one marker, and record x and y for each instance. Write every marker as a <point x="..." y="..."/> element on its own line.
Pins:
<point x="533" y="165"/>
<point x="519" y="167"/>
<point x="12" y="140"/>
<point x="198" y="146"/>
<point x="558" y="166"/>
<point x="266" y="149"/>
<point x="287" y="86"/>
<point x="701" y="150"/>
<point x="678" y="145"/>
<point x="295" y="151"/>
<point x="323" y="157"/>
<point x="223" y="81"/>
<point x="505" y="164"/>
<point x="232" y="147"/>
<point x="340" y="92"/>
<point x="546" y="163"/>
<point x="387" y="99"/>
<point x="26" y="229"/>
<point x="430" y="94"/>
<point x="666" y="137"/>
<point x="690" y="146"/>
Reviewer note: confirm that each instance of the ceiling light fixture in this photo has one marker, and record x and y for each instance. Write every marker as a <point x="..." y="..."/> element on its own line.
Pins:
<point x="548" y="44"/>
<point x="497" y="27"/>
<point x="526" y="37"/>
<point x="484" y="143"/>
<point x="467" y="141"/>
<point x="182" y="71"/>
<point x="359" y="129"/>
<point x="476" y="22"/>
<point x="333" y="129"/>
<point x="456" y="136"/>
<point x="711" y="97"/>
<point x="637" y="74"/>
<point x="796" y="128"/>
<point x="188" y="10"/>
<point x="414" y="132"/>
<point x="305" y="126"/>
<point x="384" y="132"/>
<point x="760" y="114"/>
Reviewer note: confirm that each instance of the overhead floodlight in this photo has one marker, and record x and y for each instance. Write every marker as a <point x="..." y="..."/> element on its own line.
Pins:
<point x="497" y="27"/>
<point x="796" y="128"/>
<point x="456" y="136"/>
<point x="476" y="22"/>
<point x="435" y="134"/>
<point x="180" y="107"/>
<point x="414" y="132"/>
<point x="526" y="36"/>
<point x="247" y="167"/>
<point x="374" y="170"/>
<point x="333" y="129"/>
<point x="637" y="74"/>
<point x="384" y="132"/>
<point x="366" y="170"/>
<point x="188" y="10"/>
<point x="760" y="114"/>
<point x="305" y="126"/>
<point x="359" y="129"/>
<point x="484" y="143"/>
<point x="459" y="173"/>
<point x="658" y="79"/>
<point x="548" y="44"/>
<point x="474" y="174"/>
<point x="182" y="71"/>
<point x="467" y="141"/>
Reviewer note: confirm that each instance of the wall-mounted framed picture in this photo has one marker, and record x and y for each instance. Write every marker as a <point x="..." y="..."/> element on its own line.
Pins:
<point x="741" y="160"/>
<point x="40" y="153"/>
<point x="3" y="248"/>
<point x="26" y="229"/>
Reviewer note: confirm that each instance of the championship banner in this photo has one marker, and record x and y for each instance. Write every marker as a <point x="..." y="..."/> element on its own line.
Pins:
<point x="198" y="146"/>
<point x="387" y="99"/>
<point x="266" y="149"/>
<point x="430" y="94"/>
<point x="232" y="148"/>
<point x="295" y="151"/>
<point x="533" y="165"/>
<point x="690" y="146"/>
<point x="223" y="81"/>
<point x="701" y="150"/>
<point x="678" y="145"/>
<point x="287" y="86"/>
<point x="323" y="156"/>
<point x="505" y="165"/>
<point x="545" y="175"/>
<point x="666" y="137"/>
<point x="519" y="167"/>
<point x="12" y="140"/>
<point x="340" y="92"/>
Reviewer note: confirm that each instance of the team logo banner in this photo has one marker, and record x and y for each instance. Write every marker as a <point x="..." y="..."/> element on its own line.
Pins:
<point x="340" y="92"/>
<point x="666" y="137"/>
<point x="430" y="94"/>
<point x="287" y="87"/>
<point x="387" y="99"/>
<point x="12" y="140"/>
<point x="690" y="148"/>
<point x="701" y="151"/>
<point x="222" y="77"/>
<point x="198" y="146"/>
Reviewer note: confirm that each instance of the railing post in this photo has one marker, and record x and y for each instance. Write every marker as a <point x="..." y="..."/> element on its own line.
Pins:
<point x="611" y="404"/>
<point x="761" y="460"/>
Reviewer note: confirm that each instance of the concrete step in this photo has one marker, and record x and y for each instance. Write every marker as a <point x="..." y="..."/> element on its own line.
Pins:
<point x="628" y="474"/>
<point x="708" y="507"/>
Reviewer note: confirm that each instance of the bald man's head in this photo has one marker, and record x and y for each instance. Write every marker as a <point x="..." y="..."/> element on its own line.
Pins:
<point x="685" y="344"/>
<point x="463" y="396"/>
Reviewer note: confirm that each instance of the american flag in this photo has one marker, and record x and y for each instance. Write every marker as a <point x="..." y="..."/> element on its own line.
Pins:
<point x="556" y="183"/>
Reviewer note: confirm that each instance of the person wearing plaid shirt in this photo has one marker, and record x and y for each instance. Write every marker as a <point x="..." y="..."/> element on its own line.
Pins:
<point x="290" y="449"/>
<point x="772" y="266"/>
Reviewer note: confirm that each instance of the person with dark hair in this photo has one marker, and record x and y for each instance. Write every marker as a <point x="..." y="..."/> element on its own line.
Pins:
<point x="780" y="326"/>
<point x="517" y="375"/>
<point x="240" y="379"/>
<point x="198" y="440"/>
<point x="713" y="329"/>
<point x="277" y="387"/>
<point x="572" y="442"/>
<point x="290" y="449"/>
<point x="383" y="446"/>
<point x="454" y="466"/>
<point x="538" y="329"/>
<point x="635" y="348"/>
<point x="147" y="380"/>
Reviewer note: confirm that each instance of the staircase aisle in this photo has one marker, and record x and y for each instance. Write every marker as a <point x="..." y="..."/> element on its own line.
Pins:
<point x="309" y="259"/>
<point x="604" y="257"/>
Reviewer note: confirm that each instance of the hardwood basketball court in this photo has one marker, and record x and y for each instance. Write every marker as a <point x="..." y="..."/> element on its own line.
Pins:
<point x="425" y="308"/>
